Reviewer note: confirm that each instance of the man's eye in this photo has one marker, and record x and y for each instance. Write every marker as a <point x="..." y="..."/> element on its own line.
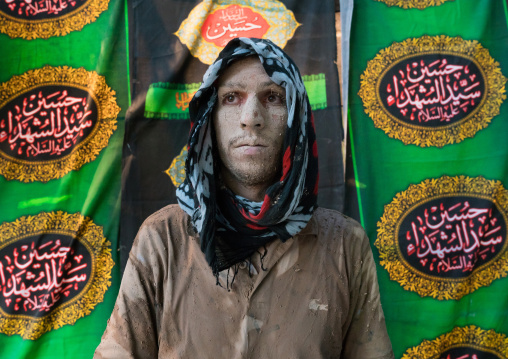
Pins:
<point x="274" y="98"/>
<point x="230" y="98"/>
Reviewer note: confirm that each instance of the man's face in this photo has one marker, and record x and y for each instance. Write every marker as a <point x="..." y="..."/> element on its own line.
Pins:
<point x="250" y="120"/>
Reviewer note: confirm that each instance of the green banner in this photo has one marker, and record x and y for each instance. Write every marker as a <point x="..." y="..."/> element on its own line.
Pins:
<point x="171" y="101"/>
<point x="428" y="121"/>
<point x="63" y="97"/>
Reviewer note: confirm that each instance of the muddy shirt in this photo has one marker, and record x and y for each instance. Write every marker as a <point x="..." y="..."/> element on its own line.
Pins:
<point x="314" y="296"/>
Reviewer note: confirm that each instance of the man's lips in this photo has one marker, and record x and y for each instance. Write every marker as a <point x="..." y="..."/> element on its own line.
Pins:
<point x="249" y="143"/>
<point x="250" y="147"/>
<point x="251" y="150"/>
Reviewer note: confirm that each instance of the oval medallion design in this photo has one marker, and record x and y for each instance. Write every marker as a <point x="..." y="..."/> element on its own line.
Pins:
<point x="432" y="91"/>
<point x="450" y="236"/>
<point x="466" y="352"/>
<point x="446" y="237"/>
<point x="54" y="269"/>
<point x="468" y="342"/>
<point x="43" y="19"/>
<point x="53" y="120"/>
<point x="233" y="21"/>
<point x="414" y="4"/>
<point x="209" y="27"/>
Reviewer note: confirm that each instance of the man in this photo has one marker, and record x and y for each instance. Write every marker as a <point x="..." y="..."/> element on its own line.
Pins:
<point x="246" y="266"/>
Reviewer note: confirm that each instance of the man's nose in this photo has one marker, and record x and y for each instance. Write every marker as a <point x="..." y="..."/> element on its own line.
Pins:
<point x="252" y="114"/>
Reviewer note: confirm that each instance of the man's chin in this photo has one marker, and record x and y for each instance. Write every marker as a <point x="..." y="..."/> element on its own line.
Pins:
<point x="254" y="175"/>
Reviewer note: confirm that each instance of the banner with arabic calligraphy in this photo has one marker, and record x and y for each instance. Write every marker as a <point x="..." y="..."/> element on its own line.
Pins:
<point x="171" y="53"/>
<point x="63" y="98"/>
<point x="428" y="124"/>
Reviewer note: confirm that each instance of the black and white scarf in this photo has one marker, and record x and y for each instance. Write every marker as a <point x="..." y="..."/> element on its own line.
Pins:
<point x="233" y="228"/>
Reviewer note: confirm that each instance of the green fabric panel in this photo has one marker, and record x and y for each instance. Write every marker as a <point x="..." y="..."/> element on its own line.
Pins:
<point x="93" y="190"/>
<point x="162" y="103"/>
<point x="316" y="90"/>
<point x="170" y="101"/>
<point x="386" y="166"/>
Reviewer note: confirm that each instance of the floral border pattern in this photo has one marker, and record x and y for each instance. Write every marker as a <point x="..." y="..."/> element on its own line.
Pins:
<point x="281" y="20"/>
<point x="86" y="151"/>
<point x="92" y="237"/>
<point x="177" y="169"/>
<point x="427" y="137"/>
<point x="414" y="4"/>
<point x="411" y="279"/>
<point x="470" y="336"/>
<point x="59" y="26"/>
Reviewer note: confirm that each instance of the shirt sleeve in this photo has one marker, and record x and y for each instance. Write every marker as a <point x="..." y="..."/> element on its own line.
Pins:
<point x="132" y="330"/>
<point x="366" y="336"/>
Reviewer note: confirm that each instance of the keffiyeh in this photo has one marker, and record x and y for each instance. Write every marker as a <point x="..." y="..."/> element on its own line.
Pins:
<point x="233" y="228"/>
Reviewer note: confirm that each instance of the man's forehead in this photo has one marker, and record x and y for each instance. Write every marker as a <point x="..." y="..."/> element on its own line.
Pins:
<point x="242" y="85"/>
<point x="236" y="68"/>
<point x="240" y="73"/>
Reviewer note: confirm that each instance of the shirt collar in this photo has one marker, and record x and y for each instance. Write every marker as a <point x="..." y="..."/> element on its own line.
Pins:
<point x="311" y="228"/>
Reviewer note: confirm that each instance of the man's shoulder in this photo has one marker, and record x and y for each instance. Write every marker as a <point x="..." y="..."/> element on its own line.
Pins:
<point x="171" y="218"/>
<point x="332" y="226"/>
<point x="339" y="233"/>
<point x="325" y="217"/>
<point x="170" y="213"/>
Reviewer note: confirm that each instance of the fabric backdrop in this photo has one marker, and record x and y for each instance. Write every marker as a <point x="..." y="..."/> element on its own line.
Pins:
<point x="428" y="121"/>
<point x="93" y="120"/>
<point x="63" y="97"/>
<point x="172" y="44"/>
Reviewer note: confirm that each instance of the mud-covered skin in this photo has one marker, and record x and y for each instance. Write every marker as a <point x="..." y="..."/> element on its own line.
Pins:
<point x="318" y="298"/>
<point x="250" y="120"/>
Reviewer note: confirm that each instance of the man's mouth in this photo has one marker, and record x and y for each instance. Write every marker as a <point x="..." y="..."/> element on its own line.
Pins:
<point x="249" y="143"/>
<point x="250" y="147"/>
<point x="252" y="150"/>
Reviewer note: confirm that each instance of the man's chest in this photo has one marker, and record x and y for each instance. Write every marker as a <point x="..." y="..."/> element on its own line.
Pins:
<point x="291" y="310"/>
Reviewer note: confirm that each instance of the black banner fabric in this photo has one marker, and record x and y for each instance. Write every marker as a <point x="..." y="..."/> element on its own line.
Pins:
<point x="171" y="45"/>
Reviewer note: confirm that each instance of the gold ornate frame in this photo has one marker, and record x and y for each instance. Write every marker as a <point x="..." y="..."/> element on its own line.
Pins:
<point x="84" y="152"/>
<point x="410" y="278"/>
<point x="59" y="26"/>
<point x="470" y="336"/>
<point x="190" y="35"/>
<point x="414" y="4"/>
<point x="177" y="169"/>
<point x="92" y="237"/>
<point x="419" y="135"/>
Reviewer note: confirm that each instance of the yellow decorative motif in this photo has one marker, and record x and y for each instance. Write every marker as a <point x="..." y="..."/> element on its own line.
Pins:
<point x="81" y="153"/>
<point x="414" y="4"/>
<point x="281" y="21"/>
<point x="56" y="26"/>
<point x="469" y="337"/>
<point x="426" y="285"/>
<point x="92" y="238"/>
<point x="177" y="169"/>
<point x="183" y="99"/>
<point x="422" y="136"/>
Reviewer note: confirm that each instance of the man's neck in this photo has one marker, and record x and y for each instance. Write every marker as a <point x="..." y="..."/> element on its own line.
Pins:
<point x="254" y="193"/>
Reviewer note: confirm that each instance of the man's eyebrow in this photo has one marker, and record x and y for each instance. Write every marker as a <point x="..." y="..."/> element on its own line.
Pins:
<point x="233" y="84"/>
<point x="269" y="83"/>
<point x="243" y="86"/>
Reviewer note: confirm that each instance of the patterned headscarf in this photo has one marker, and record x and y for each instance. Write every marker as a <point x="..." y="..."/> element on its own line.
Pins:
<point x="233" y="228"/>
